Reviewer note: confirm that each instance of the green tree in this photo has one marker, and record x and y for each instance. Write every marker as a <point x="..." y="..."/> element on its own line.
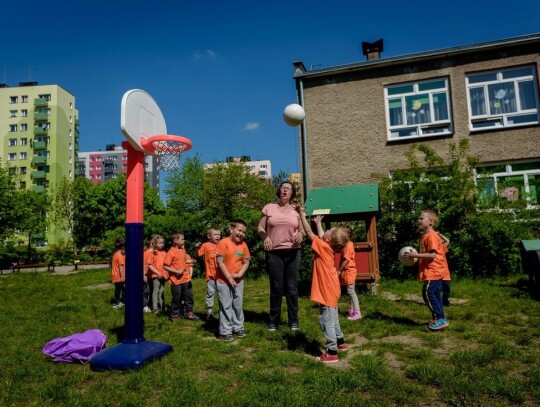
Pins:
<point x="8" y="193"/>
<point x="31" y="208"/>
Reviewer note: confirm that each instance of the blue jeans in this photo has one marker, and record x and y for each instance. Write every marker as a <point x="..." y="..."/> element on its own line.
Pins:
<point x="431" y="292"/>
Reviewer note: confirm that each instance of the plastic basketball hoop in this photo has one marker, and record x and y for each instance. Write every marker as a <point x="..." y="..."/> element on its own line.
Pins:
<point x="167" y="150"/>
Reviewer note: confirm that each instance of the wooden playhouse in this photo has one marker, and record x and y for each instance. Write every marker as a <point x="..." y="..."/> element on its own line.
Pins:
<point x="359" y="205"/>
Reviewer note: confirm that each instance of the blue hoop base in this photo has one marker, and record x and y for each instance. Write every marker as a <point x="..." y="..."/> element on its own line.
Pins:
<point x="126" y="356"/>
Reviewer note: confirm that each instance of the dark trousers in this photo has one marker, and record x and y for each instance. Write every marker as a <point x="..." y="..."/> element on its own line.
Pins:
<point x="446" y="292"/>
<point x="282" y="268"/>
<point x="119" y="292"/>
<point x="431" y="292"/>
<point x="182" y="298"/>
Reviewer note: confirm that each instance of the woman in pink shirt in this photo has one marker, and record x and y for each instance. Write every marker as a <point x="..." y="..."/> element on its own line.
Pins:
<point x="281" y="230"/>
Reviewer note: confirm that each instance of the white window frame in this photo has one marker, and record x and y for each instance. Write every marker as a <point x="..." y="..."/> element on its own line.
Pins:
<point x="24" y="140"/>
<point x="13" y="100"/>
<point x="431" y="128"/>
<point x="12" y="156"/>
<point x="12" y="113"/>
<point x="12" y="128"/>
<point x="497" y="120"/>
<point x="24" y="127"/>
<point x="23" y="155"/>
<point x="24" y="112"/>
<point x="12" y="142"/>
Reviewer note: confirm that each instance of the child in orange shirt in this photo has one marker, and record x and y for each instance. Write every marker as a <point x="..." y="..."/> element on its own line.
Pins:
<point x="180" y="268"/>
<point x="155" y="273"/>
<point x="208" y="251"/>
<point x="325" y="288"/>
<point x="118" y="273"/>
<point x="232" y="259"/>
<point x="432" y="268"/>
<point x="347" y="276"/>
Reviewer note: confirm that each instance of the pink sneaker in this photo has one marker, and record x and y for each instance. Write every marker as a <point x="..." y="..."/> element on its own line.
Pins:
<point x="343" y="346"/>
<point x="327" y="358"/>
<point x="354" y="316"/>
<point x="351" y="311"/>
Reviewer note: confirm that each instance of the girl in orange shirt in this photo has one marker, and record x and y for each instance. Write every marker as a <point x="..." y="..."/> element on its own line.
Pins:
<point x="325" y="288"/>
<point x="347" y="275"/>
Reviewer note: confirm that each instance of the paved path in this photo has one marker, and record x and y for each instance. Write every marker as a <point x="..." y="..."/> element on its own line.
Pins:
<point x="63" y="270"/>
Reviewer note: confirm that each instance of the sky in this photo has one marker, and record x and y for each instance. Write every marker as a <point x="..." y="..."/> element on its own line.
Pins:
<point x="221" y="71"/>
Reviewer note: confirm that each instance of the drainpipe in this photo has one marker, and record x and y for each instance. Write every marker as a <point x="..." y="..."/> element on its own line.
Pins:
<point x="299" y="68"/>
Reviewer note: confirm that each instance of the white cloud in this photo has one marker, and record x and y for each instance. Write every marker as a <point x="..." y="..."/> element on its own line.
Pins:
<point x="250" y="126"/>
<point x="206" y="54"/>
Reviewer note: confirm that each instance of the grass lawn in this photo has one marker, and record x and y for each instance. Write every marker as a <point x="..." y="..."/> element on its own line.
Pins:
<point x="489" y="355"/>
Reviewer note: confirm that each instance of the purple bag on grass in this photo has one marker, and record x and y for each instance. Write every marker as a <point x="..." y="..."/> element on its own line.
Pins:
<point x="77" y="347"/>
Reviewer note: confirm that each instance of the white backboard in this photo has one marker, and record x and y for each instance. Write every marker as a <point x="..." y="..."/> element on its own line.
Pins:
<point x="140" y="117"/>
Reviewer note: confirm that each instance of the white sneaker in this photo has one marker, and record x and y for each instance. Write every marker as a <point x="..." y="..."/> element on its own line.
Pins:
<point x="146" y="309"/>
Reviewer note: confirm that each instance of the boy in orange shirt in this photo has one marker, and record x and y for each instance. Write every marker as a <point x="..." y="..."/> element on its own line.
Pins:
<point x="179" y="267"/>
<point x="232" y="259"/>
<point x="118" y="273"/>
<point x="325" y="288"/>
<point x="432" y="268"/>
<point x="208" y="251"/>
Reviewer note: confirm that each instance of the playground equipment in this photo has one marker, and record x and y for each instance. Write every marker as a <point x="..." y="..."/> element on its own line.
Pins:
<point x="358" y="204"/>
<point x="144" y="127"/>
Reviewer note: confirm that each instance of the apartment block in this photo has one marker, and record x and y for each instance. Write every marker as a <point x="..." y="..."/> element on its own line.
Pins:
<point x="100" y="166"/>
<point x="261" y="168"/>
<point x="39" y="130"/>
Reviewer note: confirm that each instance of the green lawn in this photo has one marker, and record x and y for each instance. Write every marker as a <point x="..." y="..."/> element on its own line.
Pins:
<point x="487" y="357"/>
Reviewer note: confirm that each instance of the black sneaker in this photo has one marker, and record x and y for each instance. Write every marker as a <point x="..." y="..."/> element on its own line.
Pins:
<point x="241" y="333"/>
<point x="295" y="327"/>
<point x="272" y="327"/>
<point x="226" y="338"/>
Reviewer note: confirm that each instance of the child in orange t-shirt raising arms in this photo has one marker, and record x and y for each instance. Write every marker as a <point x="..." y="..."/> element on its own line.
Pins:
<point x="325" y="288"/>
<point x="208" y="251"/>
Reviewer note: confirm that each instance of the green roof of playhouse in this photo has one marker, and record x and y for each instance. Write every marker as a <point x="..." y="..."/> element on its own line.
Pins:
<point x="530" y="245"/>
<point x="343" y="200"/>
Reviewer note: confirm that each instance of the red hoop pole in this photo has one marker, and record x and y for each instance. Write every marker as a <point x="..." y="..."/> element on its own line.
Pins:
<point x="135" y="185"/>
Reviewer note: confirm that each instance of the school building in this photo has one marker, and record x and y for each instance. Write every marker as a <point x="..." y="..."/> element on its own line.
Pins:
<point x="39" y="128"/>
<point x="362" y="117"/>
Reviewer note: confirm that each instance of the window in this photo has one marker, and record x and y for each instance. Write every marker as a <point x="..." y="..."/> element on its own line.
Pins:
<point x="503" y="98"/>
<point x="23" y="155"/>
<point x="12" y="156"/>
<point x="12" y="142"/>
<point x="47" y="97"/>
<point x="22" y="170"/>
<point x="509" y="185"/>
<point x="24" y="140"/>
<point x="24" y="99"/>
<point x="12" y="127"/>
<point x="12" y="113"/>
<point x="22" y="185"/>
<point x="13" y="99"/>
<point x="24" y="127"/>
<point x="418" y="109"/>
<point x="70" y="105"/>
<point x="24" y="113"/>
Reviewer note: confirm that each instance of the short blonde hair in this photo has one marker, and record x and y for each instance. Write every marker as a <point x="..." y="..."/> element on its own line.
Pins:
<point x="339" y="238"/>
<point x="431" y="214"/>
